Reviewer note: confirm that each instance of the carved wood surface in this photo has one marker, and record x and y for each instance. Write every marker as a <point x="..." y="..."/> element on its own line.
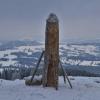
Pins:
<point x="51" y="55"/>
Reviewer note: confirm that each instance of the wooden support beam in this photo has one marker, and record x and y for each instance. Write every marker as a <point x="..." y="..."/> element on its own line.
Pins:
<point x="37" y="65"/>
<point x="64" y="77"/>
<point x="65" y="73"/>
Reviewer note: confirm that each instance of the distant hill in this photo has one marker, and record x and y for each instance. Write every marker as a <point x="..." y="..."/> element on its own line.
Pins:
<point x="17" y="43"/>
<point x="84" y="41"/>
<point x="77" y="58"/>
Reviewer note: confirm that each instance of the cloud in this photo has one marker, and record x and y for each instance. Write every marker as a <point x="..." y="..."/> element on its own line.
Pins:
<point x="27" y="18"/>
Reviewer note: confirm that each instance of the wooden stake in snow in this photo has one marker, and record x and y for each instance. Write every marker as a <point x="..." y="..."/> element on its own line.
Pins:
<point x="51" y="55"/>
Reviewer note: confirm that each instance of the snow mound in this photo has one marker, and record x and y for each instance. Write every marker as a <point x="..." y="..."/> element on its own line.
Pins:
<point x="84" y="88"/>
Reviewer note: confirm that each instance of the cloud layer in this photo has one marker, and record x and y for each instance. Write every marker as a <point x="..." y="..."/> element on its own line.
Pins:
<point x="26" y="18"/>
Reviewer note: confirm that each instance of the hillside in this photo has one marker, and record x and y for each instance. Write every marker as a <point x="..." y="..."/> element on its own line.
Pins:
<point x="84" y="88"/>
<point x="78" y="59"/>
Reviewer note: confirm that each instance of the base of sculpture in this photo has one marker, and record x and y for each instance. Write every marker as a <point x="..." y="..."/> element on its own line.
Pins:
<point x="33" y="81"/>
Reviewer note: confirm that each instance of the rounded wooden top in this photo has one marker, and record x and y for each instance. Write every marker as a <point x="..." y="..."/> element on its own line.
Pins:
<point x="52" y="18"/>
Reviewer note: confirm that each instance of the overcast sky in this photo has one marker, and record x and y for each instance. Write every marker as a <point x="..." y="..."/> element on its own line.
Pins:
<point x="23" y="19"/>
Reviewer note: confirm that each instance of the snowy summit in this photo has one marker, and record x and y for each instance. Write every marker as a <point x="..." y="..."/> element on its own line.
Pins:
<point x="52" y="18"/>
<point x="84" y="88"/>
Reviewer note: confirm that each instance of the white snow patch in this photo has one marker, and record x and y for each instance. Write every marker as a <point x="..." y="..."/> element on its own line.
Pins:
<point x="84" y="88"/>
<point x="8" y="63"/>
<point x="31" y="48"/>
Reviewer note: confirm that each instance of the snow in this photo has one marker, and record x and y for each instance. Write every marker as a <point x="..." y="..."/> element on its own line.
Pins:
<point x="84" y="88"/>
<point x="32" y="48"/>
<point x="79" y="62"/>
<point x="90" y="49"/>
<point x="65" y="51"/>
<point x="8" y="63"/>
<point x="76" y="49"/>
<point x="9" y="56"/>
<point x="8" y="53"/>
<point x="27" y="49"/>
<point x="1" y="70"/>
<point x="90" y="63"/>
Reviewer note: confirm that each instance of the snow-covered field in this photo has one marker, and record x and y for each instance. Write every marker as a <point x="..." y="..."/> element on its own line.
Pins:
<point x="84" y="88"/>
<point x="83" y="55"/>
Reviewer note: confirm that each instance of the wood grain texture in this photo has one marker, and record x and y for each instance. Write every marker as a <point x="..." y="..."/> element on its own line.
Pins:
<point x="51" y="55"/>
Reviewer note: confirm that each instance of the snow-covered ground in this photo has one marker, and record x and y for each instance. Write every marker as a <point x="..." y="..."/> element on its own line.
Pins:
<point x="82" y="55"/>
<point x="84" y="88"/>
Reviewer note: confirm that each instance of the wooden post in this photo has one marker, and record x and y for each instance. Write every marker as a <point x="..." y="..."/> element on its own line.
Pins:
<point x="51" y="55"/>
<point x="37" y="66"/>
<point x="65" y="74"/>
